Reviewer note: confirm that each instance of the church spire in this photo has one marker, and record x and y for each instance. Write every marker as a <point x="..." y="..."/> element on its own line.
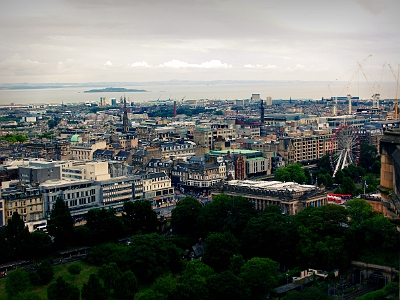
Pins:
<point x="125" y="126"/>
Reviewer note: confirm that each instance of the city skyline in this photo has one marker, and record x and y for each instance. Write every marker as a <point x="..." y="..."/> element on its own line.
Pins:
<point x="105" y="41"/>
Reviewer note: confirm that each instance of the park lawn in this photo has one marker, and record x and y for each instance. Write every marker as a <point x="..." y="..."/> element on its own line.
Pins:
<point x="60" y="270"/>
<point x="77" y="280"/>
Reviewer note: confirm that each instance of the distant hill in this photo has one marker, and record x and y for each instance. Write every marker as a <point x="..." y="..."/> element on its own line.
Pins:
<point x="111" y="89"/>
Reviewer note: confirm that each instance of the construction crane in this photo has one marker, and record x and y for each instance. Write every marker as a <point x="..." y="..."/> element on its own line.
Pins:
<point x="347" y="85"/>
<point x="375" y="92"/>
<point x="396" y="103"/>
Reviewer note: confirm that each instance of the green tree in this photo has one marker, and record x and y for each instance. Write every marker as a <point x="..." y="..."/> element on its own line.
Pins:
<point x="227" y="285"/>
<point x="110" y="274"/>
<point x="166" y="285"/>
<point x="151" y="255"/>
<point x="17" y="282"/>
<point x="140" y="216"/>
<point x="292" y="172"/>
<point x="220" y="247"/>
<point x="184" y="215"/>
<point x="313" y="292"/>
<point x="127" y="286"/>
<point x="359" y="210"/>
<point x="93" y="290"/>
<point x="41" y="244"/>
<point x="348" y="186"/>
<point x="260" y="275"/>
<point x="62" y="290"/>
<point x="240" y="212"/>
<point x="18" y="237"/>
<point x="104" y="224"/>
<point x="61" y="224"/>
<point x="45" y="272"/>
<point x="27" y="296"/>
<point x="368" y="155"/>
<point x="381" y="234"/>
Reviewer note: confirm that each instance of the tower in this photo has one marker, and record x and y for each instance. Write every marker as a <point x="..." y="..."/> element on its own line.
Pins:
<point x="125" y="126"/>
<point x="174" y="109"/>
<point x="262" y="111"/>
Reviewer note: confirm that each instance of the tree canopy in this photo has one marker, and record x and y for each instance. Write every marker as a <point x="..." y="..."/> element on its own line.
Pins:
<point x="61" y="224"/>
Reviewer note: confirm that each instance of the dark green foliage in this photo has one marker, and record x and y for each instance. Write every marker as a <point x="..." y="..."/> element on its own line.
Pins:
<point x="41" y="244"/>
<point x="27" y="296"/>
<point x="184" y="215"/>
<point x="314" y="292"/>
<point x="93" y="290"/>
<point x="150" y="295"/>
<point x="61" y="290"/>
<point x="45" y="272"/>
<point x="18" y="238"/>
<point x="140" y="216"/>
<point x="14" y="138"/>
<point x="260" y="275"/>
<point x="34" y="278"/>
<point x="292" y="172"/>
<point x="225" y="213"/>
<point x="368" y="156"/>
<point x="82" y="236"/>
<point x="359" y="210"/>
<point x="325" y="179"/>
<point x="61" y="224"/>
<point x="104" y="224"/>
<point x="347" y="186"/>
<point x="270" y="235"/>
<point x="227" y="285"/>
<point x="354" y="172"/>
<point x="110" y="274"/>
<point x="127" y="286"/>
<point x="220" y="247"/>
<point x="106" y="253"/>
<point x="74" y="269"/>
<point x="150" y="256"/>
<point x="17" y="282"/>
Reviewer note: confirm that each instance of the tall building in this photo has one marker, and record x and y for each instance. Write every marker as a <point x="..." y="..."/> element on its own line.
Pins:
<point x="268" y="101"/>
<point x="125" y="126"/>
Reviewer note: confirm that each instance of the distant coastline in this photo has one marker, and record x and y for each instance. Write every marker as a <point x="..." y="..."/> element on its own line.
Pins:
<point x="114" y="90"/>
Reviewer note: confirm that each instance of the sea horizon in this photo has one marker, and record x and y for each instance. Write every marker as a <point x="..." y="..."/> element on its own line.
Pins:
<point x="53" y="93"/>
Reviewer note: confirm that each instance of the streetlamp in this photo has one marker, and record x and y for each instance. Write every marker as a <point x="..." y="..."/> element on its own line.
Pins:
<point x="287" y="277"/>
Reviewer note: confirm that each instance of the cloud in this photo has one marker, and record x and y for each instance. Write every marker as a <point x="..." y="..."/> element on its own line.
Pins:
<point x="271" y="67"/>
<point x="207" y="65"/>
<point x="253" y="66"/>
<point x="375" y="7"/>
<point x="140" y="64"/>
<point x="108" y="63"/>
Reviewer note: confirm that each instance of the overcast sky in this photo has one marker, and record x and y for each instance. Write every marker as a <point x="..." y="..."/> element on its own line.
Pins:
<point x="150" y="40"/>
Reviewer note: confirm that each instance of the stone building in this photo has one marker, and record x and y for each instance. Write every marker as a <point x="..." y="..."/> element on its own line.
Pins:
<point x="390" y="171"/>
<point x="291" y="197"/>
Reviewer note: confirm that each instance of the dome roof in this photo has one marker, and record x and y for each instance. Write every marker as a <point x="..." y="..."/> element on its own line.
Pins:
<point x="75" y="138"/>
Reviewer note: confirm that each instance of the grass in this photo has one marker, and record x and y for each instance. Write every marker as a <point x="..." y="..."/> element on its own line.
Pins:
<point x="60" y="270"/>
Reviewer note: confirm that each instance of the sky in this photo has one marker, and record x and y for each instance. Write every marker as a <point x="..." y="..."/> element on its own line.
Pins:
<point x="47" y="41"/>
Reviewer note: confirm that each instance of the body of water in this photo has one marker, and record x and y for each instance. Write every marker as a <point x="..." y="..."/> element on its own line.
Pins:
<point x="276" y="90"/>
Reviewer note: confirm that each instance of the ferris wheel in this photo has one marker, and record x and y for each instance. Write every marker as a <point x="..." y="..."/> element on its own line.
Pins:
<point x="345" y="148"/>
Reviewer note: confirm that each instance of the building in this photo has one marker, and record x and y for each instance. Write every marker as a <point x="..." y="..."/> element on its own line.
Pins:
<point x="390" y="172"/>
<point x="37" y="172"/>
<point x="84" y="151"/>
<point x="90" y="170"/>
<point x="25" y="200"/>
<point x="79" y="196"/>
<point x="291" y="197"/>
<point x="157" y="187"/>
<point x="115" y="191"/>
